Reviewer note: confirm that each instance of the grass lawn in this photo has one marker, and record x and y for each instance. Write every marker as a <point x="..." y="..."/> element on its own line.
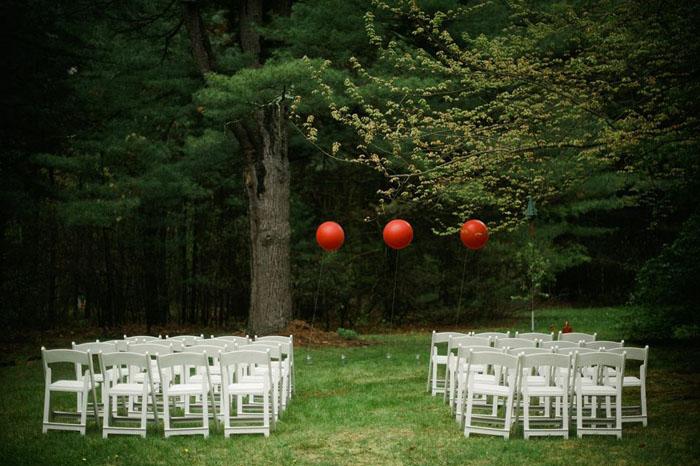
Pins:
<point x="374" y="410"/>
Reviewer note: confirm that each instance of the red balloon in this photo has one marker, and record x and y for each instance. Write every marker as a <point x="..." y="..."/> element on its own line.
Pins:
<point x="330" y="236"/>
<point x="398" y="234"/>
<point x="474" y="234"/>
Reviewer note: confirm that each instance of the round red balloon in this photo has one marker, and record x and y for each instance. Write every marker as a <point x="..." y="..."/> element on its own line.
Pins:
<point x="330" y="236"/>
<point x="398" y="234"/>
<point x="474" y="234"/>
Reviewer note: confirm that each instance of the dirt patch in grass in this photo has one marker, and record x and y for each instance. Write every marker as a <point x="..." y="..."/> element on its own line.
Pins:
<point x="311" y="337"/>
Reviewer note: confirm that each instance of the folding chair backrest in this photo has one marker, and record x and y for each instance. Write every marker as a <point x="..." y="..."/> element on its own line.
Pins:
<point x="141" y="338"/>
<point x="493" y="334"/>
<point x="65" y="355"/>
<point x="216" y="342"/>
<point x="528" y="351"/>
<point x="187" y="340"/>
<point x="463" y="352"/>
<point x="244" y="357"/>
<point x="120" y="344"/>
<point x="95" y="347"/>
<point x="559" y="361"/>
<point x="232" y="339"/>
<point x="455" y="342"/>
<point x="600" y="359"/>
<point x="176" y="345"/>
<point x="273" y="348"/>
<point x="576" y="336"/>
<point x="118" y="359"/>
<point x="632" y="353"/>
<point x="444" y="337"/>
<point x="535" y="336"/>
<point x="573" y="350"/>
<point x="558" y="344"/>
<point x="514" y="343"/>
<point x="506" y="361"/>
<point x="285" y="347"/>
<point x="150" y="348"/>
<point x="277" y="338"/>
<point x="211" y="350"/>
<point x="182" y="359"/>
<point x="602" y="344"/>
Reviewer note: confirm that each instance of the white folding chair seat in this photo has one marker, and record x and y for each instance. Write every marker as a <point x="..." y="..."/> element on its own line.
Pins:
<point x="436" y="360"/>
<point x="234" y="366"/>
<point x="185" y="387"/>
<point x="116" y="387"/>
<point x="82" y="387"/>
<point x="597" y="361"/>
<point x="546" y="389"/>
<point x="641" y="355"/>
<point x="505" y="388"/>
<point x="576" y="336"/>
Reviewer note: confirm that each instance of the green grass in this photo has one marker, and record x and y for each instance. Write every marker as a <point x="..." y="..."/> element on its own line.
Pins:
<point x="374" y="410"/>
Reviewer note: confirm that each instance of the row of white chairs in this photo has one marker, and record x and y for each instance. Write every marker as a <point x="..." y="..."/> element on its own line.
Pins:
<point x="252" y="380"/>
<point x="570" y="375"/>
<point x="498" y="339"/>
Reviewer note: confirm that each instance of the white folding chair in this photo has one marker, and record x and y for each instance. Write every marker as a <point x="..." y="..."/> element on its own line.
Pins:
<point x="212" y="355"/>
<point x="283" y="365"/>
<point x="277" y="376"/>
<point x="173" y="386"/>
<point x="641" y="355"/>
<point x="123" y="385"/>
<point x="480" y="372"/>
<point x="596" y="363"/>
<point x="82" y="385"/>
<point x="546" y="365"/>
<point x="290" y="341"/>
<point x="535" y="336"/>
<point x="435" y="383"/>
<point x="576" y="336"/>
<point x="504" y="387"/>
<point x="235" y="369"/>
<point x="453" y="343"/>
<point x="94" y="348"/>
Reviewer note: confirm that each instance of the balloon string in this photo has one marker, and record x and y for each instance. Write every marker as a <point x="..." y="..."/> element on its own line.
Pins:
<point x="318" y="288"/>
<point x="393" y="295"/>
<point x="461" y="287"/>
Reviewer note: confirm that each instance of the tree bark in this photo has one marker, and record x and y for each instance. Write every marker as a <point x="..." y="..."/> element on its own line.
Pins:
<point x="263" y="139"/>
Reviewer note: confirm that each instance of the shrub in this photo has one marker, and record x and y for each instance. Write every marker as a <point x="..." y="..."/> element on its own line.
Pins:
<point x="347" y="334"/>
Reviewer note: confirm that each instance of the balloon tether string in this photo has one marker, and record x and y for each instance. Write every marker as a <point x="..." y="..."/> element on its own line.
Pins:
<point x="461" y="287"/>
<point x="393" y="294"/>
<point x="318" y="288"/>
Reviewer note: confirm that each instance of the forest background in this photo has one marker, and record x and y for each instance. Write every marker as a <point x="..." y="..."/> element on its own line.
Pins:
<point x="168" y="161"/>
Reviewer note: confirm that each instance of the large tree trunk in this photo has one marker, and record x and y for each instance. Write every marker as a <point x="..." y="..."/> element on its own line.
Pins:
<point x="267" y="186"/>
<point x="263" y="140"/>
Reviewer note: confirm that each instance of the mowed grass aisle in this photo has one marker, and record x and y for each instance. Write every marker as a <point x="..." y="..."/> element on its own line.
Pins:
<point x="374" y="410"/>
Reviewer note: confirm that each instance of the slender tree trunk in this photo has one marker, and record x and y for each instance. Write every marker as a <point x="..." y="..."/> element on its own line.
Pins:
<point x="263" y="139"/>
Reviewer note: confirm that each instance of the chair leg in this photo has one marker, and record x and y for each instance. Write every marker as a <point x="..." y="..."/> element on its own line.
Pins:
<point x="47" y="408"/>
<point x="166" y="414"/>
<point x="643" y="402"/>
<point x="266" y="413"/>
<point x="106" y="416"/>
<point x="579" y="415"/>
<point x="526" y="416"/>
<point x="565" y="414"/>
<point x="83" y="414"/>
<point x="468" y="415"/>
<point x="618" y="413"/>
<point x="205" y="411"/>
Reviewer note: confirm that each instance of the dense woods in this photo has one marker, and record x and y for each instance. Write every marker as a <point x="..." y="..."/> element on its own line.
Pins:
<point x="168" y="161"/>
